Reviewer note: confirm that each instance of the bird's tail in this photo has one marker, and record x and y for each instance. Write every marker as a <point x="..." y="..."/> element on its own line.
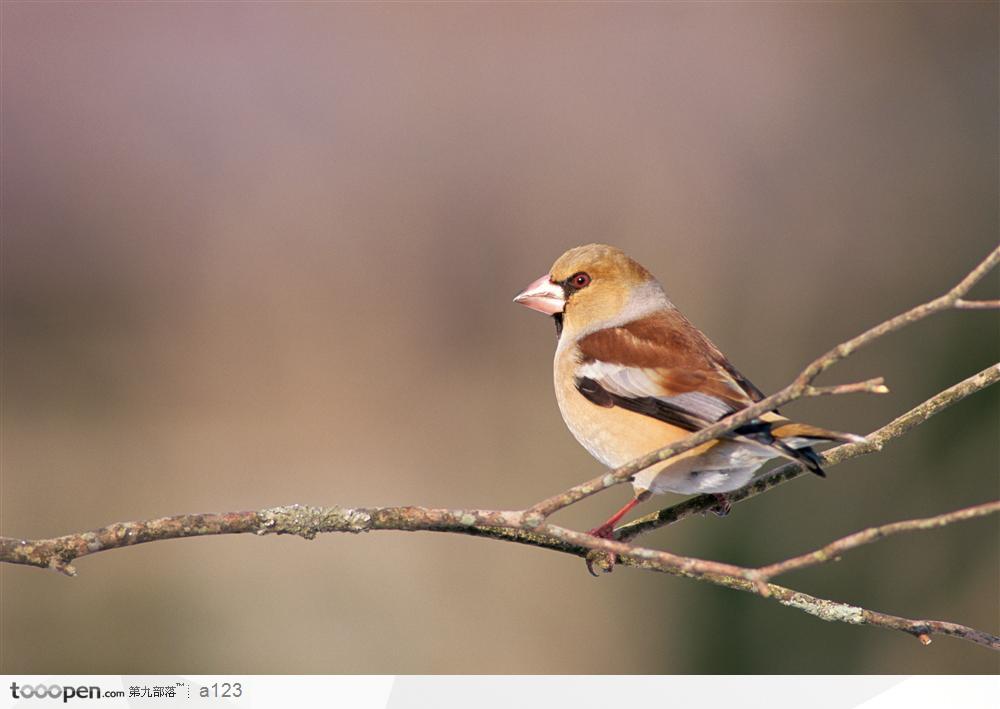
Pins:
<point x="794" y="440"/>
<point x="791" y="431"/>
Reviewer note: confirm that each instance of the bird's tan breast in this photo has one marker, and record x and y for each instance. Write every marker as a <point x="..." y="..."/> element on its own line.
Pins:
<point x="613" y="435"/>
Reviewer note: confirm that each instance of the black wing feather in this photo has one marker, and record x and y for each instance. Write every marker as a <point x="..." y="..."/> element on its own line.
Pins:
<point x="662" y="410"/>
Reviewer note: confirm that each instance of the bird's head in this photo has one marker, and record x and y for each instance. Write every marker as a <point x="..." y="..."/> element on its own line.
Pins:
<point x="592" y="287"/>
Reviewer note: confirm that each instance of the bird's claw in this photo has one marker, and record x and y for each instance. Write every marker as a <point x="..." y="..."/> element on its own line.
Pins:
<point x="603" y="561"/>
<point x="722" y="505"/>
<point x="600" y="562"/>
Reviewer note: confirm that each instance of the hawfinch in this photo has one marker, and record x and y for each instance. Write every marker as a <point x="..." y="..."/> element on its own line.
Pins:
<point x="633" y="375"/>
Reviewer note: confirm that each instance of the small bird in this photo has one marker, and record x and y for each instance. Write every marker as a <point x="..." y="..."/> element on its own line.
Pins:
<point x="633" y="375"/>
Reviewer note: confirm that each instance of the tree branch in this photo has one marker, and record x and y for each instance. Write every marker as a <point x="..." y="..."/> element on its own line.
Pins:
<point x="58" y="553"/>
<point x="530" y="526"/>
<point x="307" y="522"/>
<point x="873" y="442"/>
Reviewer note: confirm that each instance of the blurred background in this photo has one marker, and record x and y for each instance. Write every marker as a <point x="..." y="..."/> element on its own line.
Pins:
<point x="262" y="254"/>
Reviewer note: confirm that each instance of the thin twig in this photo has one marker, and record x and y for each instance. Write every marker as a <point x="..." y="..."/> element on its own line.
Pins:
<point x="873" y="534"/>
<point x="872" y="386"/>
<point x="977" y="304"/>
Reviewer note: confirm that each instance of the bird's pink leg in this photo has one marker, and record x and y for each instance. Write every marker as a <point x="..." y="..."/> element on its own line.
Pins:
<point x="605" y="530"/>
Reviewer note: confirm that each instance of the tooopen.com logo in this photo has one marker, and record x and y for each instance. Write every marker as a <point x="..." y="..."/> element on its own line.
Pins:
<point x="55" y="691"/>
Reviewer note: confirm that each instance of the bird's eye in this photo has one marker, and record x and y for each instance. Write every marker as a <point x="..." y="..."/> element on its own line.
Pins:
<point x="580" y="280"/>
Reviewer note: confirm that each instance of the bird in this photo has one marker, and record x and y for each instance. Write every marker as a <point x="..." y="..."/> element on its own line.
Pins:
<point x="633" y="375"/>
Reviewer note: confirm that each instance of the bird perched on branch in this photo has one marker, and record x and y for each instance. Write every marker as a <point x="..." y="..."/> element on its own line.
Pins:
<point x="633" y="375"/>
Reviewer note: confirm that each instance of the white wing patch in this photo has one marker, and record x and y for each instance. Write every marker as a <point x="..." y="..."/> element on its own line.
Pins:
<point x="710" y="482"/>
<point x="640" y="382"/>
<point x="703" y="405"/>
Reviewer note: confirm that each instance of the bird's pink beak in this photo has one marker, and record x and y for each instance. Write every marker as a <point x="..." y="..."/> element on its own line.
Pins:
<point x="542" y="295"/>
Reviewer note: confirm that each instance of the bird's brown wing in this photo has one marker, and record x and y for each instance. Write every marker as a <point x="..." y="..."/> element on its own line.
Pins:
<point x="664" y="367"/>
<point x="665" y="358"/>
